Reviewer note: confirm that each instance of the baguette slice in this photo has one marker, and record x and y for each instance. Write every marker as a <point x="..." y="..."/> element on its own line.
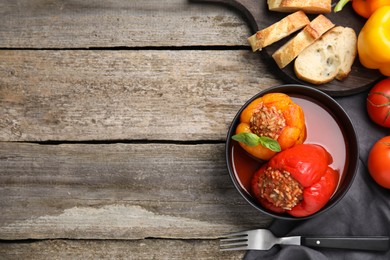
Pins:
<point x="308" y="6"/>
<point x="278" y="30"/>
<point x="291" y="49"/>
<point x="330" y="57"/>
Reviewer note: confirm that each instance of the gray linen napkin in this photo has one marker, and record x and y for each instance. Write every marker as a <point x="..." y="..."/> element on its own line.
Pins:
<point x="364" y="211"/>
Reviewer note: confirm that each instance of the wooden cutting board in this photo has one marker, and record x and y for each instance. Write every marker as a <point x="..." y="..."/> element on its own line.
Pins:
<point x="258" y="17"/>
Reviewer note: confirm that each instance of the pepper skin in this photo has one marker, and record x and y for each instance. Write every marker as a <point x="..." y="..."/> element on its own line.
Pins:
<point x="307" y="164"/>
<point x="374" y="41"/>
<point x="364" y="8"/>
<point x="294" y="131"/>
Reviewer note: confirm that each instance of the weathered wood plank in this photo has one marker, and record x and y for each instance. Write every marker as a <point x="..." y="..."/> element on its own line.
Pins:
<point x="97" y="249"/>
<point x="135" y="23"/>
<point x="117" y="95"/>
<point x="119" y="191"/>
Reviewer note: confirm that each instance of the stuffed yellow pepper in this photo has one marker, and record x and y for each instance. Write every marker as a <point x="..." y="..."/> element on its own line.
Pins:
<point x="270" y="124"/>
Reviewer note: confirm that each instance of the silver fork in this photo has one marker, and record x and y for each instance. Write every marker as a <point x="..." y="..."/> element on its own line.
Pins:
<point x="263" y="239"/>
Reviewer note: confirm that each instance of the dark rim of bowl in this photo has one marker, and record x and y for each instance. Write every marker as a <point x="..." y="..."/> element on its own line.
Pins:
<point x="348" y="130"/>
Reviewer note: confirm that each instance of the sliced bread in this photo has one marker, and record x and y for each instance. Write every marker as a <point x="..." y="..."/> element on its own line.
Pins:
<point x="278" y="30"/>
<point x="291" y="49"/>
<point x="308" y="6"/>
<point x="330" y="57"/>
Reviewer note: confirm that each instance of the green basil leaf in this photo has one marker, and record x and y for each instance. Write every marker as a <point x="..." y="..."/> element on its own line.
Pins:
<point x="249" y="139"/>
<point x="270" y="143"/>
<point x="252" y="139"/>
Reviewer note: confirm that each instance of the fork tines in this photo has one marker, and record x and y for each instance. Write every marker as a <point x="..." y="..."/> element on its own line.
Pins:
<point x="234" y="241"/>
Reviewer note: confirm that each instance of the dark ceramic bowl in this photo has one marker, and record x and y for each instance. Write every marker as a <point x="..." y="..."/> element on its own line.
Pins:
<point x="327" y="124"/>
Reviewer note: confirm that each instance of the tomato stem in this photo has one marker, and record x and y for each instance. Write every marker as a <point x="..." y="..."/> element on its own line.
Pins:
<point x="380" y="93"/>
<point x="381" y="105"/>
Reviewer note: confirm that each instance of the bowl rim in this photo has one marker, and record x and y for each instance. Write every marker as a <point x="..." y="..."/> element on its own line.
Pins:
<point x="336" y="111"/>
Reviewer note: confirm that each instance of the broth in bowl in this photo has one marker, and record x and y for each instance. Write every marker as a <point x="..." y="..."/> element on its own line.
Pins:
<point x="327" y="125"/>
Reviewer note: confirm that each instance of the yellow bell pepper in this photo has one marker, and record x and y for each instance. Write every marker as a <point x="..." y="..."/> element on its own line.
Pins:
<point x="374" y="41"/>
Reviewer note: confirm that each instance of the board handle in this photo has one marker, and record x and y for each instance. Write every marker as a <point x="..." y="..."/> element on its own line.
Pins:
<point x="250" y="9"/>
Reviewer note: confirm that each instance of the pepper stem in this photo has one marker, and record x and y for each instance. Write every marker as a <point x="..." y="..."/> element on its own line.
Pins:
<point x="339" y="6"/>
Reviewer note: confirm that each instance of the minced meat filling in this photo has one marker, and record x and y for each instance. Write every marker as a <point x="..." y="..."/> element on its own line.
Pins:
<point x="279" y="188"/>
<point x="267" y="121"/>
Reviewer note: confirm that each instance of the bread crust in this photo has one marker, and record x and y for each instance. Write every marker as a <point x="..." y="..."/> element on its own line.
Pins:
<point x="290" y="50"/>
<point x="308" y="6"/>
<point x="278" y="30"/>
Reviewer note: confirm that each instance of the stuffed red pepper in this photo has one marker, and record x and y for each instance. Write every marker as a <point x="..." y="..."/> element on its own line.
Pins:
<point x="298" y="181"/>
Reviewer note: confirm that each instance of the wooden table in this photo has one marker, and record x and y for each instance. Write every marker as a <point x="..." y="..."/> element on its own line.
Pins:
<point x="113" y="120"/>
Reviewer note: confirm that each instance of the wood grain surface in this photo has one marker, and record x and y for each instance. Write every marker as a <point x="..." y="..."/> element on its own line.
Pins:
<point x="125" y="94"/>
<point x="113" y="120"/>
<point x="118" y="191"/>
<point x="117" y="24"/>
<point x="118" y="249"/>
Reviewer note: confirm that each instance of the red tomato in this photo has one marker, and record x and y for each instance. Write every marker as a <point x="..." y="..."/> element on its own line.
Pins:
<point x="378" y="103"/>
<point x="379" y="162"/>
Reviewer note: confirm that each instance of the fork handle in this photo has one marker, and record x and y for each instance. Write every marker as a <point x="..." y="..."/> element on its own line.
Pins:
<point x="378" y="243"/>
